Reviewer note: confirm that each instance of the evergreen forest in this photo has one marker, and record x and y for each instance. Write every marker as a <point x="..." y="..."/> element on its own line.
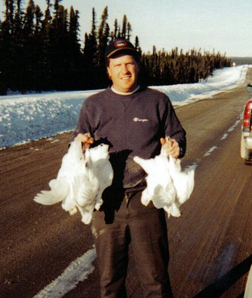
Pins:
<point x="41" y="51"/>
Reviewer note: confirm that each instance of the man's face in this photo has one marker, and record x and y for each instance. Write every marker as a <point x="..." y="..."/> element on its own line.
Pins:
<point x="123" y="71"/>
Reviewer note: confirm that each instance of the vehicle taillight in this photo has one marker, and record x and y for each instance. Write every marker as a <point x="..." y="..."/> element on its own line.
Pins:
<point x="247" y="116"/>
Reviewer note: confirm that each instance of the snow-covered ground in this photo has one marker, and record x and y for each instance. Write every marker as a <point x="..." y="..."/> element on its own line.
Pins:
<point x="24" y="118"/>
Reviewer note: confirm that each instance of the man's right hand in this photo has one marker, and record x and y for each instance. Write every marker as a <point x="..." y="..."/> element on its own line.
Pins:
<point x="86" y="140"/>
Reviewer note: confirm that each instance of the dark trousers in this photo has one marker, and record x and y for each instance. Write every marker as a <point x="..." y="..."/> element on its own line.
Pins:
<point x="125" y="222"/>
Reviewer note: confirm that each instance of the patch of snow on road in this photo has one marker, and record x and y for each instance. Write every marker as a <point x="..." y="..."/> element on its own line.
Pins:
<point x="76" y="272"/>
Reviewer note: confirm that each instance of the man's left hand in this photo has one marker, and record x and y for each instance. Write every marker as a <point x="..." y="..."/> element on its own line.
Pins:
<point x="174" y="149"/>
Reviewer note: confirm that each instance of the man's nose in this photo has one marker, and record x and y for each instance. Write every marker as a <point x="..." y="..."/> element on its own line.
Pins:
<point x="125" y="68"/>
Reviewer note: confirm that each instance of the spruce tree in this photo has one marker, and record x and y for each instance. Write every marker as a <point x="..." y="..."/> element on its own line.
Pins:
<point x="75" y="71"/>
<point x="90" y="56"/>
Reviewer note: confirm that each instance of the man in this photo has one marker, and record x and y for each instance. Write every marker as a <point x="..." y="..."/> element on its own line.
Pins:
<point x="134" y="122"/>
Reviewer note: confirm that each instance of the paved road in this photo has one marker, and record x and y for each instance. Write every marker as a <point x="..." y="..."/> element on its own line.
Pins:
<point x="210" y="245"/>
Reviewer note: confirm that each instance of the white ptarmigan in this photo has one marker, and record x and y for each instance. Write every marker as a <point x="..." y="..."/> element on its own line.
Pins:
<point x="167" y="186"/>
<point x="81" y="180"/>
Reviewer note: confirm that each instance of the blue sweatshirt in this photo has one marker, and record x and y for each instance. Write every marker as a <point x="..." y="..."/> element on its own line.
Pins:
<point x="132" y="125"/>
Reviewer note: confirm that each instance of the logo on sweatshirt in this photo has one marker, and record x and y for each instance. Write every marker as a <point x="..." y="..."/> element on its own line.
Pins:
<point x="140" y="120"/>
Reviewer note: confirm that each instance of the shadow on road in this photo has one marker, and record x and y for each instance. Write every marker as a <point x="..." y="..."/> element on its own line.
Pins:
<point x="217" y="288"/>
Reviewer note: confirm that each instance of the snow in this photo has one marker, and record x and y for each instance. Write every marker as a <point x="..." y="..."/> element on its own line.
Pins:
<point x="76" y="272"/>
<point x="24" y="118"/>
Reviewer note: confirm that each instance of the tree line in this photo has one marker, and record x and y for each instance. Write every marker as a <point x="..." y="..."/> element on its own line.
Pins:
<point x="41" y="51"/>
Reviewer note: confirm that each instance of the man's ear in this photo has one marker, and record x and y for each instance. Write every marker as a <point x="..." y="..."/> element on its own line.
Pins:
<point x="108" y="73"/>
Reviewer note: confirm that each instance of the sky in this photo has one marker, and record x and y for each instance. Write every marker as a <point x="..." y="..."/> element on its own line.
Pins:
<point x="223" y="26"/>
<point x="24" y="118"/>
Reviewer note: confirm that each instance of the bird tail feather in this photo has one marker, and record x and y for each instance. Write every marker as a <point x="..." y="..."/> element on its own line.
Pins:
<point x="58" y="192"/>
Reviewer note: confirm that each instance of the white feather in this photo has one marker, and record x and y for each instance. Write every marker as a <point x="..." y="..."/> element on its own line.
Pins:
<point x="183" y="181"/>
<point x="81" y="181"/>
<point x="167" y="186"/>
<point x="58" y="192"/>
<point x="102" y="170"/>
<point x="159" y="184"/>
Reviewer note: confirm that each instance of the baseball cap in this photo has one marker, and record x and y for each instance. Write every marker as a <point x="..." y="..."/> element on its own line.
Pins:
<point x="120" y="45"/>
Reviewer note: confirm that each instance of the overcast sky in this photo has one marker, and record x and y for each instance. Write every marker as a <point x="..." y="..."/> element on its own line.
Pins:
<point x="223" y="26"/>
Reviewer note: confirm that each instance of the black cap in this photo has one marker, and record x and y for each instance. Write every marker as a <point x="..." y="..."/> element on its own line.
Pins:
<point x="120" y="45"/>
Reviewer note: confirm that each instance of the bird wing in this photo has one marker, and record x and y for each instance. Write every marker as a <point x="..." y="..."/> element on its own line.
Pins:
<point x="183" y="180"/>
<point x="59" y="191"/>
<point x="85" y="196"/>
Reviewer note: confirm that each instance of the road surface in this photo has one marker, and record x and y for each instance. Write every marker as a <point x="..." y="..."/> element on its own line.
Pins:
<point x="210" y="244"/>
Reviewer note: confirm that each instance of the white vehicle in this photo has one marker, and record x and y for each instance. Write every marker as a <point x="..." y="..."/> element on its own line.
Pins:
<point x="246" y="134"/>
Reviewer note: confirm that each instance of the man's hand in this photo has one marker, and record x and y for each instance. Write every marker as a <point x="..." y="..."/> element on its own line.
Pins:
<point x="174" y="149"/>
<point x="86" y="140"/>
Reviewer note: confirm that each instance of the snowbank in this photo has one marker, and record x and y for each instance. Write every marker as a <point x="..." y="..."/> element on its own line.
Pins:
<point x="24" y="118"/>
